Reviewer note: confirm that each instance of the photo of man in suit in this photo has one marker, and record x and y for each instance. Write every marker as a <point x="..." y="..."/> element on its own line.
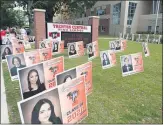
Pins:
<point x="118" y="46"/>
<point x="127" y="65"/>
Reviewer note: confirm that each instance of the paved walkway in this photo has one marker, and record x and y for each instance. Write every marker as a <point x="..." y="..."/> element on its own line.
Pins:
<point x="4" y="109"/>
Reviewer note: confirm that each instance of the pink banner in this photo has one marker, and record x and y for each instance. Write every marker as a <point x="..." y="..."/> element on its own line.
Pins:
<point x="32" y="57"/>
<point x="73" y="100"/>
<point x="86" y="70"/>
<point x="45" y="54"/>
<point x="51" y="68"/>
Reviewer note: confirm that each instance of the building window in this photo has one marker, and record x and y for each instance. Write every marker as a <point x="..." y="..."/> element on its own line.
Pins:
<point x="149" y="28"/>
<point x="155" y="6"/>
<point x="116" y="13"/>
<point x="131" y="11"/>
<point x="101" y="12"/>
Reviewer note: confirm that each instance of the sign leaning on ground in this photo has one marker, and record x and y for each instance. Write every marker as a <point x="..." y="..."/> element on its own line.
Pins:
<point x="69" y="33"/>
<point x="118" y="45"/>
<point x="131" y="64"/>
<point x="92" y="50"/>
<point x="84" y="69"/>
<point x="108" y="59"/>
<point x="145" y="49"/>
<point x="67" y="104"/>
<point x="75" y="49"/>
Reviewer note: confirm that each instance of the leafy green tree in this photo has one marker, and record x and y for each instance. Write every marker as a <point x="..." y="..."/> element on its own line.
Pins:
<point x="9" y="16"/>
<point x="53" y="7"/>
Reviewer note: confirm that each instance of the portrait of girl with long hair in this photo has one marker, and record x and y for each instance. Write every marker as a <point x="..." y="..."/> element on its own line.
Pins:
<point x="72" y="50"/>
<point x="34" y="84"/>
<point x="105" y="59"/>
<point x="43" y="113"/>
<point x="6" y="51"/>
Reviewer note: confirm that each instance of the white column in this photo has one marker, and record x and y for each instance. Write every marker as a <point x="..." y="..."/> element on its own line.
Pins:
<point x="157" y="17"/>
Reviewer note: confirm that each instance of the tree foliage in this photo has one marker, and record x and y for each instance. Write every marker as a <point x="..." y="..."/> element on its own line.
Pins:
<point x="53" y="7"/>
<point x="9" y="16"/>
<point x="78" y="7"/>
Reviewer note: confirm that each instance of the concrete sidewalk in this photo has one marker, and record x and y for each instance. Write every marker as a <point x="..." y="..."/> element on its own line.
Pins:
<point x="4" y="109"/>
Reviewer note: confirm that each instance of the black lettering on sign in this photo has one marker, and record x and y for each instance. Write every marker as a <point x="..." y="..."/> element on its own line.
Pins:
<point x="69" y="37"/>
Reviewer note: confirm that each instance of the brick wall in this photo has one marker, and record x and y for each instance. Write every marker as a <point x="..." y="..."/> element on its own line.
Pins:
<point x="39" y="26"/>
<point x="104" y="23"/>
<point x="94" y="21"/>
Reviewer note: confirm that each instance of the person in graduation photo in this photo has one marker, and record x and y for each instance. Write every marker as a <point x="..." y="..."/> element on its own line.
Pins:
<point x="8" y="41"/>
<point x="112" y="46"/>
<point x="72" y="50"/>
<point x="6" y="51"/>
<point x="34" y="84"/>
<point x="144" y="47"/>
<point x="31" y="39"/>
<point x="127" y="65"/>
<point x="55" y="48"/>
<point x="43" y="113"/>
<point x="118" y="47"/>
<point x="90" y="51"/>
<point x="105" y="59"/>
<point x="145" y="50"/>
<point x="16" y="61"/>
<point x="67" y="78"/>
<point x="43" y="45"/>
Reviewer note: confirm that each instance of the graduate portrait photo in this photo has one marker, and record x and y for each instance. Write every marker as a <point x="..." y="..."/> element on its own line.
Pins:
<point x="14" y="63"/>
<point x="31" y="80"/>
<point x="43" y="108"/>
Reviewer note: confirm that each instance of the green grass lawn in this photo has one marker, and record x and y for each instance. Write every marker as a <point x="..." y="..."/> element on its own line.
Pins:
<point x="115" y="99"/>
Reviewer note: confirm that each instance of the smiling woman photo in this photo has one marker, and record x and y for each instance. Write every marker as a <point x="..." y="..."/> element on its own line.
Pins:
<point x="55" y="48"/>
<point x="43" y="113"/>
<point x="72" y="50"/>
<point x="16" y="61"/>
<point x="90" y="51"/>
<point x="105" y="59"/>
<point x="7" y="51"/>
<point x="34" y="84"/>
